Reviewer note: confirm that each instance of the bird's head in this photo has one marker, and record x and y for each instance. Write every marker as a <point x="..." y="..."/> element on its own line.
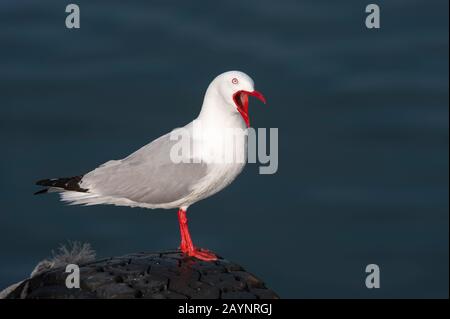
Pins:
<point x="234" y="87"/>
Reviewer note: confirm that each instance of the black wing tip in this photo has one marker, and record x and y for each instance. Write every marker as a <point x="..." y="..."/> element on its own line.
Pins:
<point x="65" y="183"/>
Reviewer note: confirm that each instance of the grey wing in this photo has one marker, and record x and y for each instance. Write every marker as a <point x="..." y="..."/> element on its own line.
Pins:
<point x="147" y="176"/>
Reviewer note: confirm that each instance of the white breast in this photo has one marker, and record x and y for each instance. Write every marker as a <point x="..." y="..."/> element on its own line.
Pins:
<point x="224" y="149"/>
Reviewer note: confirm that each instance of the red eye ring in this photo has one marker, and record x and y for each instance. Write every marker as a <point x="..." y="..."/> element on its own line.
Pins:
<point x="235" y="81"/>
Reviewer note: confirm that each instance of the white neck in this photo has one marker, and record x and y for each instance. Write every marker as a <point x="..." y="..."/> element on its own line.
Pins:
<point x="217" y="125"/>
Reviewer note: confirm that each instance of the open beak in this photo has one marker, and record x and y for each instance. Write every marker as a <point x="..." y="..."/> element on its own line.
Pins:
<point x="240" y="98"/>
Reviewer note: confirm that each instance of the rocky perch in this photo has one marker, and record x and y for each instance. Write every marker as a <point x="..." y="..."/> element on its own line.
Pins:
<point x="148" y="275"/>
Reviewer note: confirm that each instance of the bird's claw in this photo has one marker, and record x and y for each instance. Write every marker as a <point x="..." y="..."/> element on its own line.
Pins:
<point x="202" y="254"/>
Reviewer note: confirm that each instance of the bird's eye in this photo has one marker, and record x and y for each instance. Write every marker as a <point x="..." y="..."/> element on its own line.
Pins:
<point x="235" y="81"/>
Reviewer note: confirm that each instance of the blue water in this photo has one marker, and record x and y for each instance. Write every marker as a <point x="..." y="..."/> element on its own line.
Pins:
<point x="363" y="133"/>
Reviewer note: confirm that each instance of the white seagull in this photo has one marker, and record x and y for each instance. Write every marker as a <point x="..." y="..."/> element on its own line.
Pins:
<point x="150" y="178"/>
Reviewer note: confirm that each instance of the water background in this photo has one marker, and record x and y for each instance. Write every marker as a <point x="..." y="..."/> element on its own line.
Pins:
<point x="363" y="134"/>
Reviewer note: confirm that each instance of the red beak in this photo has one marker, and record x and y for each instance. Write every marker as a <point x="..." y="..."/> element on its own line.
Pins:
<point x="240" y="98"/>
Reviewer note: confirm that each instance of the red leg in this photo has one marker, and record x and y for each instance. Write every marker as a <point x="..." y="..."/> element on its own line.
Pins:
<point x="187" y="246"/>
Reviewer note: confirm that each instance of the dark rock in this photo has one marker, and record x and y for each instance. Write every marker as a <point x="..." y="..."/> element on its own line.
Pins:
<point x="167" y="275"/>
<point x="116" y="291"/>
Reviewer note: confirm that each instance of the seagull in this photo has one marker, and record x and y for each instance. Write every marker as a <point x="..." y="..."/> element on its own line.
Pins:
<point x="150" y="178"/>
